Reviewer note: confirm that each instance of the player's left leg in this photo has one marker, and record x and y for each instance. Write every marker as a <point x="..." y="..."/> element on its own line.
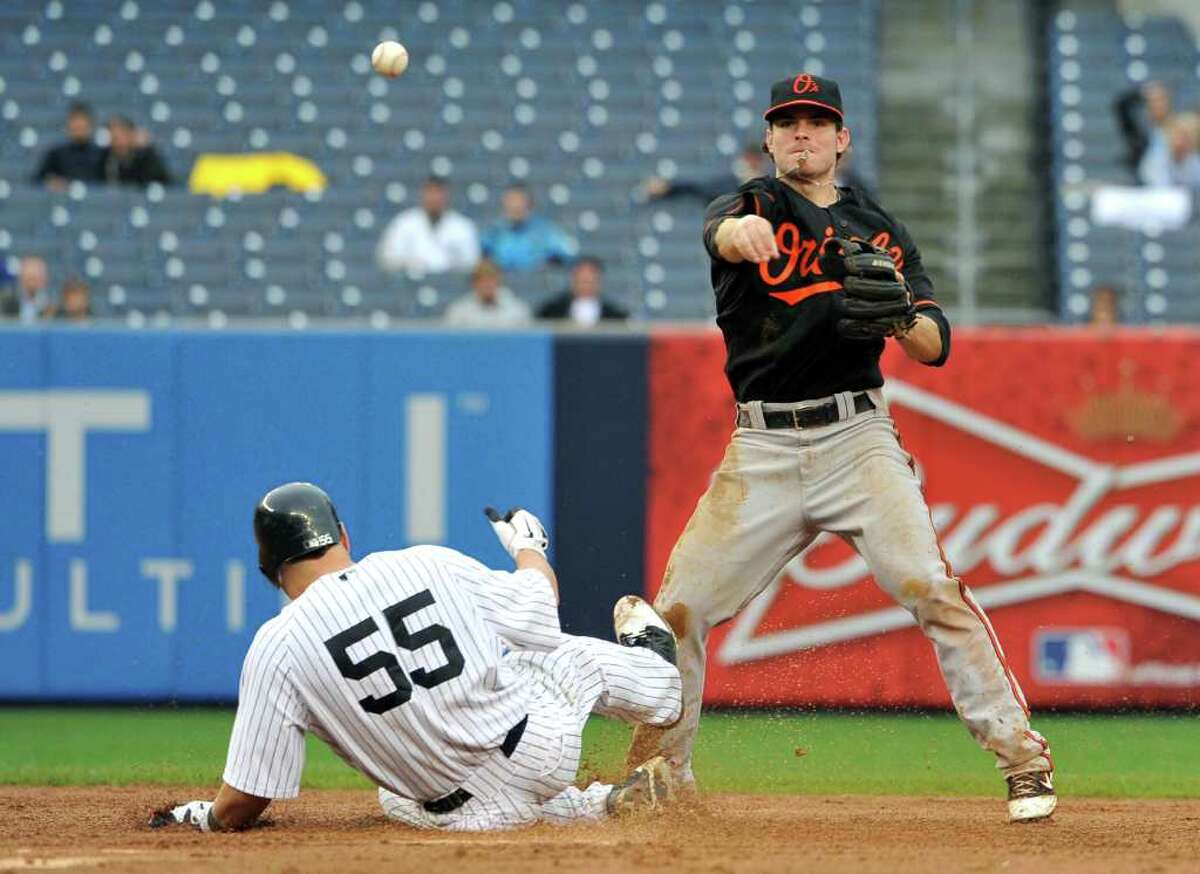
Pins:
<point x="535" y="783"/>
<point x="651" y="785"/>
<point x="581" y="675"/>
<point x="574" y="805"/>
<point x="496" y="812"/>
<point x="880" y="507"/>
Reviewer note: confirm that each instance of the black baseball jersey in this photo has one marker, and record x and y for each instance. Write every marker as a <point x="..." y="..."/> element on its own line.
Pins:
<point x="778" y="317"/>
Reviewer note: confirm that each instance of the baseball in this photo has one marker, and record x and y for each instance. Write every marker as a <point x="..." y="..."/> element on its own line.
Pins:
<point x="389" y="59"/>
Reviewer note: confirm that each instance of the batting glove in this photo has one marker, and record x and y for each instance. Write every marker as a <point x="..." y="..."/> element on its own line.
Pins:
<point x="194" y="813"/>
<point x="518" y="529"/>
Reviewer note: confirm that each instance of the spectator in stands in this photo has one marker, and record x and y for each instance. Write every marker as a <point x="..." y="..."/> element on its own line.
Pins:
<point x="750" y="163"/>
<point x="27" y="299"/>
<point x="521" y="240"/>
<point x="1171" y="158"/>
<point x="489" y="304"/>
<point x="75" y="302"/>
<point x="1140" y="113"/>
<point x="130" y="158"/>
<point x="79" y="158"/>
<point x="430" y="238"/>
<point x="1106" y="307"/>
<point x="582" y="303"/>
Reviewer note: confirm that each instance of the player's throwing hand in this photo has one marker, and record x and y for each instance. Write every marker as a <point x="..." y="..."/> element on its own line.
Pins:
<point x="754" y="239"/>
<point x="518" y="529"/>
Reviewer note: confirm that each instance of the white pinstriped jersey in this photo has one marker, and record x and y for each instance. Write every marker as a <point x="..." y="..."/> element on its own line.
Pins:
<point x="398" y="664"/>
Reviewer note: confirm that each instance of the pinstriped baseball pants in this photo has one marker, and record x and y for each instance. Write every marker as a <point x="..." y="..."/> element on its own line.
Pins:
<point x="582" y="676"/>
<point x="773" y="492"/>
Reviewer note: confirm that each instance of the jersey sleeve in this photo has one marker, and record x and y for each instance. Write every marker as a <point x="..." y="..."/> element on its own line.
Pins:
<point x="266" y="750"/>
<point x="520" y="608"/>
<point x="747" y="200"/>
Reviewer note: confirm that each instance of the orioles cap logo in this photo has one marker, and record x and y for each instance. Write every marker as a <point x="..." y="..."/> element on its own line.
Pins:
<point x="804" y="84"/>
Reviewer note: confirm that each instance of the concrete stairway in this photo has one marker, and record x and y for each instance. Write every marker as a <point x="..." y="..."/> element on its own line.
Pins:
<point x="993" y="220"/>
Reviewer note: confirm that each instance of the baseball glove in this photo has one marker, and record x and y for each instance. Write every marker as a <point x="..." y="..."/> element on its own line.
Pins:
<point x="875" y="302"/>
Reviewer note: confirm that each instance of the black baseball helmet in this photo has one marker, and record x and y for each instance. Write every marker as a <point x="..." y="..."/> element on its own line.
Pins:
<point x="292" y="521"/>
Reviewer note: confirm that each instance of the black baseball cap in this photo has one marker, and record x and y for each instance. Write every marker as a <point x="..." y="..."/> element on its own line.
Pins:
<point x="805" y="89"/>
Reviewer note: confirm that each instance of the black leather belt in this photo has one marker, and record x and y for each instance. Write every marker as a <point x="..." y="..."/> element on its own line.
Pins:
<point x="459" y="797"/>
<point x="810" y="417"/>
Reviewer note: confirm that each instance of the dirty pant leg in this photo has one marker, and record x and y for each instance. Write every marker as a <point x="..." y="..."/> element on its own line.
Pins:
<point x="893" y="532"/>
<point x="746" y="527"/>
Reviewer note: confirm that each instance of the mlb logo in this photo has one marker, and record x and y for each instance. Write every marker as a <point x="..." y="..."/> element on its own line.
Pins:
<point x="1081" y="656"/>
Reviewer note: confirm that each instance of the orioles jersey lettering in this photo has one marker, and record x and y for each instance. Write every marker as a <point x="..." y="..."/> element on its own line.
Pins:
<point x="778" y="317"/>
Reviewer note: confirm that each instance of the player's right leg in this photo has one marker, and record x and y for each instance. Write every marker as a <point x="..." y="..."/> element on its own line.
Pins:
<point x="630" y="683"/>
<point x="746" y="527"/>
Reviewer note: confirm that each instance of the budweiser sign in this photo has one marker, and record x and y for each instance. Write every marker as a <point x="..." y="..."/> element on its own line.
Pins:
<point x="1062" y="471"/>
<point x="1088" y="541"/>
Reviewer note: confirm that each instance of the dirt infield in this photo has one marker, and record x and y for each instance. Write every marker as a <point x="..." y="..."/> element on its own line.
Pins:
<point x="105" y="829"/>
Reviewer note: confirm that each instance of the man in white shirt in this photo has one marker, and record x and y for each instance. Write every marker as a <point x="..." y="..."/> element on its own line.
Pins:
<point x="449" y="685"/>
<point x="489" y="304"/>
<point x="430" y="238"/>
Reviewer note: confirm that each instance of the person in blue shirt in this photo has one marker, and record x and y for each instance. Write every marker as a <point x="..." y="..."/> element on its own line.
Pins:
<point x="521" y="240"/>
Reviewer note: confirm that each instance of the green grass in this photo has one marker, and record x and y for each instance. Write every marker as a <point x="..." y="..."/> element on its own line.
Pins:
<point x="1115" y="756"/>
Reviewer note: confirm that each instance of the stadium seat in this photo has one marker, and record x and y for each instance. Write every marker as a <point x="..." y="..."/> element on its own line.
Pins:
<point x="581" y="105"/>
<point x="1156" y="271"/>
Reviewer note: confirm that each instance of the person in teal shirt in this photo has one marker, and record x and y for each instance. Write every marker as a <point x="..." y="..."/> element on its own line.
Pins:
<point x="521" y="240"/>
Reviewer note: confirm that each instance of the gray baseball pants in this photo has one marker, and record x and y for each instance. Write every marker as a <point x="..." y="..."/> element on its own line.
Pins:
<point x="773" y="492"/>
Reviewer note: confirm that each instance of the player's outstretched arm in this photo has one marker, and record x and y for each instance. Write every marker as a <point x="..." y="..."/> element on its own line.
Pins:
<point x="524" y="538"/>
<point x="528" y="559"/>
<point x="236" y="810"/>
<point x="232" y="810"/>
<point x="748" y="238"/>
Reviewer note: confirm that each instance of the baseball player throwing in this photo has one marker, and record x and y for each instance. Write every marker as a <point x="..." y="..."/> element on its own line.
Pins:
<point x="810" y="279"/>
<point x="450" y="686"/>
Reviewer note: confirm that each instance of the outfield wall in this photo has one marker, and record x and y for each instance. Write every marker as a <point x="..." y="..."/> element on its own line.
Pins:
<point x="1061" y="467"/>
<point x="132" y="462"/>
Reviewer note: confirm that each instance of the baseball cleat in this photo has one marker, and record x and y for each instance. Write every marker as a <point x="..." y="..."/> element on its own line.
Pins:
<point x="651" y="785"/>
<point x="638" y="624"/>
<point x="1031" y="796"/>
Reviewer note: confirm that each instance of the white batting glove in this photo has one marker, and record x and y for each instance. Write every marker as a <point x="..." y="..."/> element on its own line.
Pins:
<point x="518" y="529"/>
<point x="194" y="813"/>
